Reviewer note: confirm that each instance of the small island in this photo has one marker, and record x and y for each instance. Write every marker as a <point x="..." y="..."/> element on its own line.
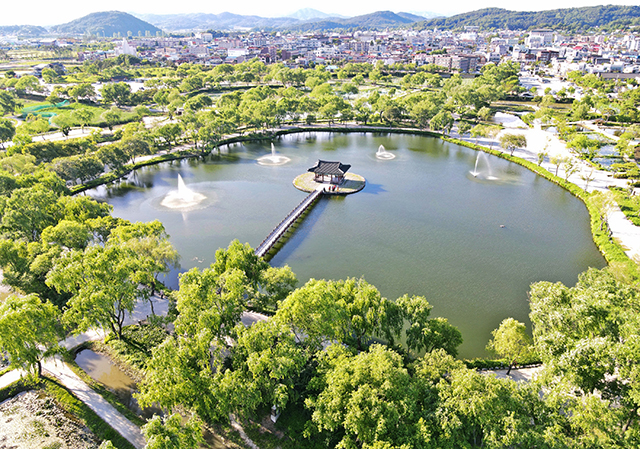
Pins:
<point x="331" y="176"/>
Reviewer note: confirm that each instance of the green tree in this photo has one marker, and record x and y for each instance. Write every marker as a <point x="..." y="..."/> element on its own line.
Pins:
<point x="463" y="127"/>
<point x="476" y="410"/>
<point x="170" y="433"/>
<point x="117" y="93"/>
<point x="28" y="84"/>
<point x="8" y="102"/>
<point x="82" y="90"/>
<point x="65" y="122"/>
<point x="151" y="241"/>
<point x="511" y="341"/>
<point x="424" y="333"/>
<point x="111" y="117"/>
<point x="350" y="311"/>
<point x="484" y="113"/>
<point x="557" y="161"/>
<point x="266" y="368"/>
<point x="30" y="331"/>
<point x="7" y="131"/>
<point x="83" y="117"/>
<point x="169" y="133"/>
<point x="49" y="75"/>
<point x="179" y="374"/>
<point x="512" y="141"/>
<point x="442" y="121"/>
<point x="586" y="147"/>
<point x="365" y="400"/>
<point x="103" y="283"/>
<point x="28" y="212"/>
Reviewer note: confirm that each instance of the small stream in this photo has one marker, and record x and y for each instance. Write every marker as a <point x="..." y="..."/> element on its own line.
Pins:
<point x="101" y="369"/>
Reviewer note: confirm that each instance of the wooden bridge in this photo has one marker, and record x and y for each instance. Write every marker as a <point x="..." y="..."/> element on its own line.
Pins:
<point x="279" y="231"/>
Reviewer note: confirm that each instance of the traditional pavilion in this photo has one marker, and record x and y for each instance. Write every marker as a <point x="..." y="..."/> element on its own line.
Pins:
<point x="335" y="171"/>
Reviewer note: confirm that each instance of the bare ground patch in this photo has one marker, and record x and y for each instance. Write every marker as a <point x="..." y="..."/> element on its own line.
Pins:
<point x="33" y="420"/>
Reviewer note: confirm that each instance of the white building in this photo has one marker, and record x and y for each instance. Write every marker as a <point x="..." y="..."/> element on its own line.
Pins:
<point x="125" y="49"/>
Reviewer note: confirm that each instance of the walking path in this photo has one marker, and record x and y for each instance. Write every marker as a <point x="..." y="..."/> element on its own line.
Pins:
<point x="539" y="140"/>
<point x="57" y="368"/>
<point x="60" y="370"/>
<point x="517" y="374"/>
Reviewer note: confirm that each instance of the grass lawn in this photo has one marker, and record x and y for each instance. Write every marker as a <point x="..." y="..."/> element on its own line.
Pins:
<point x="97" y="111"/>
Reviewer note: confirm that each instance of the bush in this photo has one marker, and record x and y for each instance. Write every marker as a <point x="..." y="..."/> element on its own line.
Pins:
<point x="136" y="344"/>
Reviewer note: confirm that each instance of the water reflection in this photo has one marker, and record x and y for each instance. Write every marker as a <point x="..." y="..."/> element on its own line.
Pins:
<point x="101" y="369"/>
<point x="421" y="226"/>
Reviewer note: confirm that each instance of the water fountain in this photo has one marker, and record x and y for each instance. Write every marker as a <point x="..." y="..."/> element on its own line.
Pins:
<point x="384" y="154"/>
<point x="182" y="198"/>
<point x="273" y="158"/>
<point x="475" y="173"/>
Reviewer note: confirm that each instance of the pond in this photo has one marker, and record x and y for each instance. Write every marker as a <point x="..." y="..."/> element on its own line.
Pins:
<point x="100" y="368"/>
<point x="423" y="225"/>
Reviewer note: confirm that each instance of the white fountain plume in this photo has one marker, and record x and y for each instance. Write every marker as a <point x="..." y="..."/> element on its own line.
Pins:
<point x="273" y="158"/>
<point x="183" y="198"/>
<point x="384" y="154"/>
<point x="489" y="174"/>
<point x="475" y="168"/>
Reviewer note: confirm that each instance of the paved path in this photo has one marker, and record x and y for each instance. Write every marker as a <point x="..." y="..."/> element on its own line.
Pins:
<point x="539" y="140"/>
<point x="517" y="374"/>
<point x="57" y="368"/>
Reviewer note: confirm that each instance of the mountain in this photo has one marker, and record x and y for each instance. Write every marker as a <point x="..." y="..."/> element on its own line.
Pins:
<point x="222" y="21"/>
<point x="228" y="21"/>
<point x="411" y="17"/>
<point x="106" y="24"/>
<point x="310" y="14"/>
<point x="23" y="30"/>
<point x="376" y="20"/>
<point x="567" y="19"/>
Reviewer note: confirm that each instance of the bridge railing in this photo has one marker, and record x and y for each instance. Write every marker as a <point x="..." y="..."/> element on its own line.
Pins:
<point x="275" y="235"/>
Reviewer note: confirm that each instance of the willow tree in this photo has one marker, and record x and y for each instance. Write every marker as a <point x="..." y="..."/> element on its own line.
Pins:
<point x="511" y="341"/>
<point x="29" y="331"/>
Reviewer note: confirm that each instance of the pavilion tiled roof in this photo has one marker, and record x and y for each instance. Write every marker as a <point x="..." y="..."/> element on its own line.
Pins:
<point x="330" y="168"/>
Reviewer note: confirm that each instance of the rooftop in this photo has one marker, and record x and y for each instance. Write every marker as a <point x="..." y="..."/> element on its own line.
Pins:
<point x="330" y="168"/>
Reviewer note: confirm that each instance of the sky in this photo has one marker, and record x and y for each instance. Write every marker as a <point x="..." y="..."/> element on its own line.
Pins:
<point x="47" y="12"/>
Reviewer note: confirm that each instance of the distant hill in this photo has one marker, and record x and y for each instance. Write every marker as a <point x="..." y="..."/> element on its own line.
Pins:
<point x="228" y="21"/>
<point x="376" y="20"/>
<point x="309" y="14"/>
<point x="106" y="24"/>
<point x="568" y="19"/>
<point x="23" y="30"/>
<point x="222" y="21"/>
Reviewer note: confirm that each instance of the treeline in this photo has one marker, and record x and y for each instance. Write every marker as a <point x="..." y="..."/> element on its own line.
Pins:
<point x="569" y="19"/>
<point x="317" y="362"/>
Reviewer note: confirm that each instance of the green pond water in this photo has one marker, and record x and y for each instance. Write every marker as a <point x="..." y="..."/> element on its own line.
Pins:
<point x="423" y="225"/>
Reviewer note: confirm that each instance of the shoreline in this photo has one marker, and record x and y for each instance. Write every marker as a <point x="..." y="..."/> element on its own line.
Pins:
<point x="624" y="234"/>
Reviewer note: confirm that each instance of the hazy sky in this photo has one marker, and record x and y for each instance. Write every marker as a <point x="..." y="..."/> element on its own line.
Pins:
<point x="48" y="12"/>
